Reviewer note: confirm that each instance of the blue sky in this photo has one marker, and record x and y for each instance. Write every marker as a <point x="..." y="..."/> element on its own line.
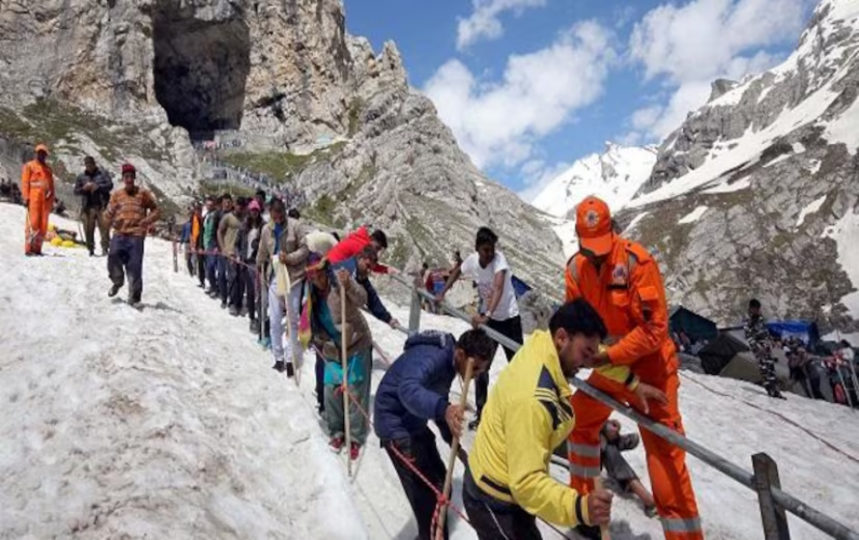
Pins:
<point x="529" y="86"/>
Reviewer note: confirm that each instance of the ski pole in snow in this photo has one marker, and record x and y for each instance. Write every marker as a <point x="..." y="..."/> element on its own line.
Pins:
<point x="344" y="362"/>
<point x="604" y="532"/>
<point x="454" y="450"/>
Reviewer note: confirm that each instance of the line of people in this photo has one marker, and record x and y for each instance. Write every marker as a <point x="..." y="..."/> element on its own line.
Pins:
<point x="615" y="321"/>
<point x="317" y="289"/>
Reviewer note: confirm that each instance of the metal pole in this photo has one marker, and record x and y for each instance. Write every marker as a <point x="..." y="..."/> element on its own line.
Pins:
<point x="772" y="515"/>
<point x="788" y="502"/>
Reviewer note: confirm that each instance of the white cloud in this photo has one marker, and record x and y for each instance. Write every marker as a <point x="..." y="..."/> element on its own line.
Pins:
<point x="498" y="122"/>
<point x="693" y="44"/>
<point x="484" y="22"/>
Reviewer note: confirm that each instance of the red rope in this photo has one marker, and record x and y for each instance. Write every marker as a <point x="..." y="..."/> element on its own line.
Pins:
<point x="442" y="501"/>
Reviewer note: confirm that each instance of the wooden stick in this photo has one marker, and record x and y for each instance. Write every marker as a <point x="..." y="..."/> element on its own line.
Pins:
<point x="288" y="309"/>
<point x="604" y="531"/>
<point x="345" y="365"/>
<point x="382" y="354"/>
<point x="454" y="450"/>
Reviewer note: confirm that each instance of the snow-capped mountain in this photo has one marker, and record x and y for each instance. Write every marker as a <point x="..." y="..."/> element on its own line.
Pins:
<point x="615" y="175"/>
<point x="757" y="193"/>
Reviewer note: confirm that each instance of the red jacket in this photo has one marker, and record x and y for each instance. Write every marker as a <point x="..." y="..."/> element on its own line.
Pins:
<point x="351" y="246"/>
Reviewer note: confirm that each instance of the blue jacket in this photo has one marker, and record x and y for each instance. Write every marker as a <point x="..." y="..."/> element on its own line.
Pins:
<point x="374" y="303"/>
<point x="415" y="388"/>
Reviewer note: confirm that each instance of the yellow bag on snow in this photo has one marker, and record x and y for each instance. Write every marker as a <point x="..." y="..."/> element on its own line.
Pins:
<point x="56" y="241"/>
<point x="68" y="244"/>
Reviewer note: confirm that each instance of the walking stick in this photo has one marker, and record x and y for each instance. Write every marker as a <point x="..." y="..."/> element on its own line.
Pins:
<point x="604" y="532"/>
<point x="263" y="296"/>
<point x="345" y="366"/>
<point x="288" y="310"/>
<point x="454" y="450"/>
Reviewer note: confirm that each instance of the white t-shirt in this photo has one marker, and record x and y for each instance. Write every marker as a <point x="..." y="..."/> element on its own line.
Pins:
<point x="507" y="307"/>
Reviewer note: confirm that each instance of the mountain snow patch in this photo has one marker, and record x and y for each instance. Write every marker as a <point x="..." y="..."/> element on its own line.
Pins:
<point x="811" y="208"/>
<point x="693" y="216"/>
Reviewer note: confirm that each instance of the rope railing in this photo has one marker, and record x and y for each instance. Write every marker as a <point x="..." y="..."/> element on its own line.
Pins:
<point x="782" y="499"/>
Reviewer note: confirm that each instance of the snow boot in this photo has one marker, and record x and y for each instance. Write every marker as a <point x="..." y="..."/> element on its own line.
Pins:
<point x="279" y="366"/>
<point x="336" y="444"/>
<point x="113" y="290"/>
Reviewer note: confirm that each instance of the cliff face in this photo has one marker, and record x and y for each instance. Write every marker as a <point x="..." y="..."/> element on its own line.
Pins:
<point x="771" y="166"/>
<point x="139" y="80"/>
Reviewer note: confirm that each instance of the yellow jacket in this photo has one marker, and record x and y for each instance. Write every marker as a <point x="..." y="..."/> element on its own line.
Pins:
<point x="527" y="416"/>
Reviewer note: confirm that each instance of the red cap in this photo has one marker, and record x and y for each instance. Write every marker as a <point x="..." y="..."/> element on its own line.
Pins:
<point x="129" y="168"/>
<point x="593" y="226"/>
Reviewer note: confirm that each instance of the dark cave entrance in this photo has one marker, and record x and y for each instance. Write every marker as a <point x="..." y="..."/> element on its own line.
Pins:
<point x="200" y="69"/>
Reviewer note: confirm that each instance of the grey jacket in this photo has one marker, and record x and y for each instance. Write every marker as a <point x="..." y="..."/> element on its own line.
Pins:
<point x="293" y="242"/>
<point x="100" y="196"/>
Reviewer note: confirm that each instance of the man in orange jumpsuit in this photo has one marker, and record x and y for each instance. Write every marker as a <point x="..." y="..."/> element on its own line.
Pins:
<point x="622" y="281"/>
<point x="37" y="191"/>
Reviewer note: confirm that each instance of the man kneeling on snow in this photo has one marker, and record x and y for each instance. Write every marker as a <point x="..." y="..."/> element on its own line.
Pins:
<point x="415" y="389"/>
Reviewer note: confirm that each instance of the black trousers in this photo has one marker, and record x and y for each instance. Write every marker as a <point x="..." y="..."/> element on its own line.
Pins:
<point x="493" y="519"/>
<point x="319" y="368"/>
<point x="511" y="328"/>
<point x="201" y="269"/>
<point x="421" y="450"/>
<point x="251" y="290"/>
<point x="239" y="275"/>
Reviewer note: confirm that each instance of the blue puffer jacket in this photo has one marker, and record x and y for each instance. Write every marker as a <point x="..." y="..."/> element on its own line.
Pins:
<point x="415" y="388"/>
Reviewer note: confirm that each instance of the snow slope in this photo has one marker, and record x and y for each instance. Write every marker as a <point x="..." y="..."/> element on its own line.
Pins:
<point x="615" y="175"/>
<point x="169" y="423"/>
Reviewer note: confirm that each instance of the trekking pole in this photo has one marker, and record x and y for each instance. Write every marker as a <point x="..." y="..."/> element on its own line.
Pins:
<point x="454" y="450"/>
<point x="261" y="307"/>
<point x="345" y="366"/>
<point x="604" y="532"/>
<point x="381" y="353"/>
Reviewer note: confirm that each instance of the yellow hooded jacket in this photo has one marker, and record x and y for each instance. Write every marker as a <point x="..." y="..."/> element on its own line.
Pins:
<point x="527" y="416"/>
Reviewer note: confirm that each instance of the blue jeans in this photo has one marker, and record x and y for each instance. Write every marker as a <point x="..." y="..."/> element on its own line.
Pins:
<point x="223" y="282"/>
<point x="211" y="271"/>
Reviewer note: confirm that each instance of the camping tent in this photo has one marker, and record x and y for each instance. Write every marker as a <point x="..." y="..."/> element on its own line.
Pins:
<point x="695" y="326"/>
<point x="519" y="287"/>
<point x="806" y="331"/>
<point x="729" y="356"/>
<point x="719" y="352"/>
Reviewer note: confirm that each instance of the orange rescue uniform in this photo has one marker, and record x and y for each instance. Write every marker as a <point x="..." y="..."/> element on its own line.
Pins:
<point x="37" y="188"/>
<point x="627" y="292"/>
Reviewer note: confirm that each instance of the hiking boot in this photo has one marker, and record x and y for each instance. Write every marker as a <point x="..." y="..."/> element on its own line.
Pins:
<point x="591" y="532"/>
<point x="279" y="366"/>
<point x="113" y="290"/>
<point x="474" y="424"/>
<point x="336" y="444"/>
<point x="234" y="311"/>
<point x="354" y="451"/>
<point x="290" y="369"/>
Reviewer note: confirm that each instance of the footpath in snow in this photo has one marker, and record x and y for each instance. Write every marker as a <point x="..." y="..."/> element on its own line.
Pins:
<point x="169" y="423"/>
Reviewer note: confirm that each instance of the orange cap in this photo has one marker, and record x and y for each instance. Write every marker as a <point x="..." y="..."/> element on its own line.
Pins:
<point x="42" y="148"/>
<point x="593" y="225"/>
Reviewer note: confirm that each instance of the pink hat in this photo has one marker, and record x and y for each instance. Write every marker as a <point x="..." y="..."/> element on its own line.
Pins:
<point x="254" y="205"/>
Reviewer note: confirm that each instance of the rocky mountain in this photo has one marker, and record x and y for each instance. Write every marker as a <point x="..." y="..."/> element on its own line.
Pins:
<point x="757" y="193"/>
<point x="279" y="82"/>
<point x="615" y="175"/>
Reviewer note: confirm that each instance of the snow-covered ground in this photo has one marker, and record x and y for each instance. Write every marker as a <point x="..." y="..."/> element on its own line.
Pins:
<point x="169" y="423"/>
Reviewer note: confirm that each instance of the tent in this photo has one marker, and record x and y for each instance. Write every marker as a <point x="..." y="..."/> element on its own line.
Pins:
<point x="729" y="356"/>
<point x="695" y="326"/>
<point x="719" y="352"/>
<point x="520" y="287"/>
<point x="806" y="331"/>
